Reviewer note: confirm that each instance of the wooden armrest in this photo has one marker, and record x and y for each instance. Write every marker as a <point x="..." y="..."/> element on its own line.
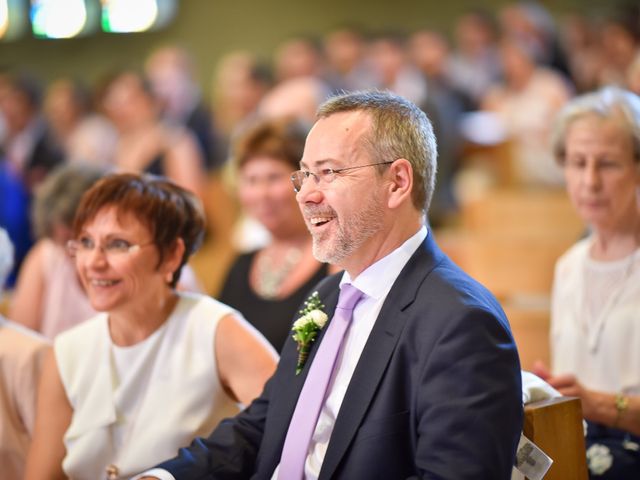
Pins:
<point x="555" y="425"/>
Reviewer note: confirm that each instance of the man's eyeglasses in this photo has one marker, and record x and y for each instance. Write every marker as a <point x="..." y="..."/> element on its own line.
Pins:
<point x="326" y="175"/>
<point x="113" y="249"/>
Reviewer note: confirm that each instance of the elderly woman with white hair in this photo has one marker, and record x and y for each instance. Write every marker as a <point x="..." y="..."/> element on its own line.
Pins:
<point x="21" y="354"/>
<point x="595" y="317"/>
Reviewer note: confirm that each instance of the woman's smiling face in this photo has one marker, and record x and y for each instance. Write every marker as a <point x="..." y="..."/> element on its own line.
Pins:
<point x="118" y="261"/>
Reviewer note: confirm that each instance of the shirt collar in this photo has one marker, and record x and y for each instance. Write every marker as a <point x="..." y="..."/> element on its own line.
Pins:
<point x="377" y="279"/>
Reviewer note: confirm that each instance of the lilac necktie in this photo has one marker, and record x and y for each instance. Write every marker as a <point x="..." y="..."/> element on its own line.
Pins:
<point x="314" y="390"/>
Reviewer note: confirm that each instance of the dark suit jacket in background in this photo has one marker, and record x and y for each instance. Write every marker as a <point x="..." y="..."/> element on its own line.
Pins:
<point x="436" y="393"/>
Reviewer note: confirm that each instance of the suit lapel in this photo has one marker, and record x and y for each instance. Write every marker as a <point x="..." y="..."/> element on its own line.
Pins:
<point x="377" y="353"/>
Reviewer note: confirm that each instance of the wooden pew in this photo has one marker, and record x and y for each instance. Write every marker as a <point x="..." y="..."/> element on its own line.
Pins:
<point x="511" y="266"/>
<point x="522" y="211"/>
<point x="555" y="425"/>
<point x="509" y="239"/>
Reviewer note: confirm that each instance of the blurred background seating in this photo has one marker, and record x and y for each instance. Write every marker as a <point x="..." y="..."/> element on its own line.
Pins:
<point x="491" y="79"/>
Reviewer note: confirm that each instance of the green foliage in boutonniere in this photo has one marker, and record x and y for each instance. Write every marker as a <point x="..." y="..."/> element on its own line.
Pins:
<point x="306" y="328"/>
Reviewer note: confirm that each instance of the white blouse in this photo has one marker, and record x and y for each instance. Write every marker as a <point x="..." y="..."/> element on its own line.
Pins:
<point x="136" y="406"/>
<point x="595" y="320"/>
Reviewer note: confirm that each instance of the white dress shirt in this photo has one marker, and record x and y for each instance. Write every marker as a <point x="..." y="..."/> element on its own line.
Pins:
<point x="375" y="282"/>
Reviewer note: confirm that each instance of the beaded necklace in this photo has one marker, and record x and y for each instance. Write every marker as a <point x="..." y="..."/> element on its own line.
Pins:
<point x="270" y="273"/>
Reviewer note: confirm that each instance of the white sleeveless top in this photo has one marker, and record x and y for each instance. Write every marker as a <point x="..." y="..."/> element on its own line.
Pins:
<point x="137" y="416"/>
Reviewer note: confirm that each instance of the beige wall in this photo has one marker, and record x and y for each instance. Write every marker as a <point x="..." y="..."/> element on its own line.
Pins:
<point x="210" y="28"/>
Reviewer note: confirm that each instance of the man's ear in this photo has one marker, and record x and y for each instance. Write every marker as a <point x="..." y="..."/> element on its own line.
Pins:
<point x="400" y="178"/>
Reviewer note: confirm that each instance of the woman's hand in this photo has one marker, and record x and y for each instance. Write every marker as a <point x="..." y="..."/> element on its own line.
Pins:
<point x="598" y="407"/>
<point x="569" y="386"/>
<point x="541" y="370"/>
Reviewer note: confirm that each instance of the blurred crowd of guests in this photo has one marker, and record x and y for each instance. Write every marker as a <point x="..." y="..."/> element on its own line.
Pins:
<point x="519" y="64"/>
<point x="517" y="67"/>
<point x="499" y="78"/>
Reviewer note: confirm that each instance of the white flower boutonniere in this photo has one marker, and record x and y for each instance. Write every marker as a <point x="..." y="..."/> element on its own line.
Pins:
<point x="306" y="328"/>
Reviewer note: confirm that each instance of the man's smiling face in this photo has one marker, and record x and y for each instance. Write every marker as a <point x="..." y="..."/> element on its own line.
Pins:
<point x="345" y="215"/>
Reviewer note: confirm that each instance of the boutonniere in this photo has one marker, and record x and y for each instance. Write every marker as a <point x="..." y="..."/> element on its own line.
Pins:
<point x="306" y="328"/>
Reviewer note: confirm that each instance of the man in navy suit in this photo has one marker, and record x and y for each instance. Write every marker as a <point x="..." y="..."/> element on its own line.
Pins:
<point x="427" y="380"/>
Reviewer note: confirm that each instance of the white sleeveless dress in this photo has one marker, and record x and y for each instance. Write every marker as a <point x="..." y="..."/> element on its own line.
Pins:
<point x="134" y="407"/>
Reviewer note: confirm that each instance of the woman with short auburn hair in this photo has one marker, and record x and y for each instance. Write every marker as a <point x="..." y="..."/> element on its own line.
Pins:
<point x="157" y="367"/>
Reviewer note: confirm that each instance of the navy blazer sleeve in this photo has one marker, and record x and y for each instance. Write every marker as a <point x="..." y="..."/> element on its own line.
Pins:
<point x="229" y="452"/>
<point x="468" y="411"/>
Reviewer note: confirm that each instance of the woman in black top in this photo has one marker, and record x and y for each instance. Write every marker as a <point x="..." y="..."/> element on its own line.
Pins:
<point x="269" y="285"/>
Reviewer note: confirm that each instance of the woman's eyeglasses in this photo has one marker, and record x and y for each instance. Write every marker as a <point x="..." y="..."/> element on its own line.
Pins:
<point x="114" y="248"/>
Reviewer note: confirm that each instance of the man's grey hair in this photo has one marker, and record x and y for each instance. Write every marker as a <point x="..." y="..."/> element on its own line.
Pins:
<point x="6" y="257"/>
<point x="399" y="130"/>
<point x="606" y="103"/>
